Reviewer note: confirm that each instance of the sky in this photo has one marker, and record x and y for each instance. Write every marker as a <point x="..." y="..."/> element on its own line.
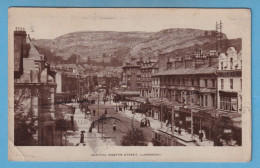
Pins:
<point x="49" y="23"/>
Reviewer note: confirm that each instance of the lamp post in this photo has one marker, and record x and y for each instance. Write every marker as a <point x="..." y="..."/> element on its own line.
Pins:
<point x="98" y="110"/>
<point x="191" y="115"/>
<point x="161" y="111"/>
<point x="173" y="126"/>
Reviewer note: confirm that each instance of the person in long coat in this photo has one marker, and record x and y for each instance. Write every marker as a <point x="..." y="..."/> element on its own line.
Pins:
<point x="82" y="137"/>
<point x="114" y="127"/>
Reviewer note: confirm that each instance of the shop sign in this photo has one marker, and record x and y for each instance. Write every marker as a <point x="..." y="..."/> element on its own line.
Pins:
<point x="227" y="130"/>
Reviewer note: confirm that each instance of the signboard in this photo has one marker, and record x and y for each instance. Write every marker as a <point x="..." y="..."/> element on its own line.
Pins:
<point x="188" y="118"/>
<point x="227" y="130"/>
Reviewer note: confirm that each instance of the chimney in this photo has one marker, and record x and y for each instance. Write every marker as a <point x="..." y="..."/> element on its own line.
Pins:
<point x="179" y="62"/>
<point x="169" y="64"/>
<point x="213" y="58"/>
<point x="21" y="51"/>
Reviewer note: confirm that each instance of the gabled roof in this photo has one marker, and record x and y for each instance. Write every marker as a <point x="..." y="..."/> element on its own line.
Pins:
<point x="33" y="53"/>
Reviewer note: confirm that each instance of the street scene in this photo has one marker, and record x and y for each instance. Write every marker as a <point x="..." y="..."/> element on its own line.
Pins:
<point x="169" y="86"/>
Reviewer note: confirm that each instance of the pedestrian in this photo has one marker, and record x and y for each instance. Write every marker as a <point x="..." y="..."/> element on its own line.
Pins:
<point x="82" y="137"/>
<point x="148" y="123"/>
<point x="74" y="109"/>
<point x="85" y="111"/>
<point x="94" y="112"/>
<point x="114" y="127"/>
<point x="72" y="122"/>
<point x="200" y="136"/>
<point x="81" y="107"/>
<point x="179" y="130"/>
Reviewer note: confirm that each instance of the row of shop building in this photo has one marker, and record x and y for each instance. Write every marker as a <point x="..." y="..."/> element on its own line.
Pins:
<point x="203" y="91"/>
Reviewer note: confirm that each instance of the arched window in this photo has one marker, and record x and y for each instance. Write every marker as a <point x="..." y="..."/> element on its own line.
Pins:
<point x="231" y="63"/>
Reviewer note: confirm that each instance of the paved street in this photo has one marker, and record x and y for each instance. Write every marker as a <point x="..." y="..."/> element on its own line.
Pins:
<point x="106" y="135"/>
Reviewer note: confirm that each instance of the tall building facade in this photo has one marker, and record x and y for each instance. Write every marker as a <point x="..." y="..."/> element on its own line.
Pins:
<point x="131" y="75"/>
<point x="230" y="81"/>
<point x="148" y="68"/>
<point x="34" y="94"/>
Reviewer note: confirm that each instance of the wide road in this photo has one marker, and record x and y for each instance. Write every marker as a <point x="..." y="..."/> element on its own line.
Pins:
<point x="121" y="127"/>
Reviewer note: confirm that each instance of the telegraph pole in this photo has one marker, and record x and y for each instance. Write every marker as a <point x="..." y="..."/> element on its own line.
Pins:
<point x="173" y="126"/>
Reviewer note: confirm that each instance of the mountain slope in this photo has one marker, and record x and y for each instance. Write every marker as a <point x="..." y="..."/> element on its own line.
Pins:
<point x="95" y="44"/>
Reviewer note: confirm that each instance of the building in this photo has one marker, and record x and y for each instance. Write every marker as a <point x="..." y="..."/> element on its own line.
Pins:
<point x="192" y="82"/>
<point x="34" y="94"/>
<point x="131" y="76"/>
<point x="201" y="92"/>
<point x="71" y="82"/>
<point x="230" y="81"/>
<point x="148" y="68"/>
<point x="230" y="95"/>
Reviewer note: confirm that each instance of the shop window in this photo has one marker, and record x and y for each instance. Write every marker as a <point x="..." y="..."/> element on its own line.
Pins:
<point x="233" y="104"/>
<point x="228" y="104"/>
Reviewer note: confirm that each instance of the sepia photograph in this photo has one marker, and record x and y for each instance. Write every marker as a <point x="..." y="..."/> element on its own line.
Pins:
<point x="129" y="84"/>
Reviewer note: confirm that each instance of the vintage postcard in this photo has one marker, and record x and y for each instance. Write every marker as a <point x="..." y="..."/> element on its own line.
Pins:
<point x="129" y="84"/>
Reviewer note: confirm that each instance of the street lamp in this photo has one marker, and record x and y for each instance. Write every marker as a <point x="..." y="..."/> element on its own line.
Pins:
<point x="98" y="109"/>
<point x="161" y="111"/>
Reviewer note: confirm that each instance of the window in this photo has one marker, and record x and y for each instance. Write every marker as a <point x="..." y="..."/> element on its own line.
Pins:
<point x="213" y="83"/>
<point x="222" y="67"/>
<point x="231" y="83"/>
<point x="183" y="82"/>
<point x="206" y="83"/>
<point x="228" y="104"/>
<point x="192" y="82"/>
<point x="241" y="84"/>
<point x="206" y="100"/>
<point x="231" y="63"/>
<point x="173" y="81"/>
<point x="222" y="83"/>
<point x="198" y="81"/>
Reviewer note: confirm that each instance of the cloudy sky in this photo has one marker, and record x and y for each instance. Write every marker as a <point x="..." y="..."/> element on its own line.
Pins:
<point x="48" y="23"/>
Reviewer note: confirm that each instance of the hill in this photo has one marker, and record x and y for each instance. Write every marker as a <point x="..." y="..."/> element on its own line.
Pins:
<point x="122" y="45"/>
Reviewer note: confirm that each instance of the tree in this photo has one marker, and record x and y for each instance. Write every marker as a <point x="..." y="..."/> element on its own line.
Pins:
<point x="134" y="137"/>
<point x="23" y="122"/>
